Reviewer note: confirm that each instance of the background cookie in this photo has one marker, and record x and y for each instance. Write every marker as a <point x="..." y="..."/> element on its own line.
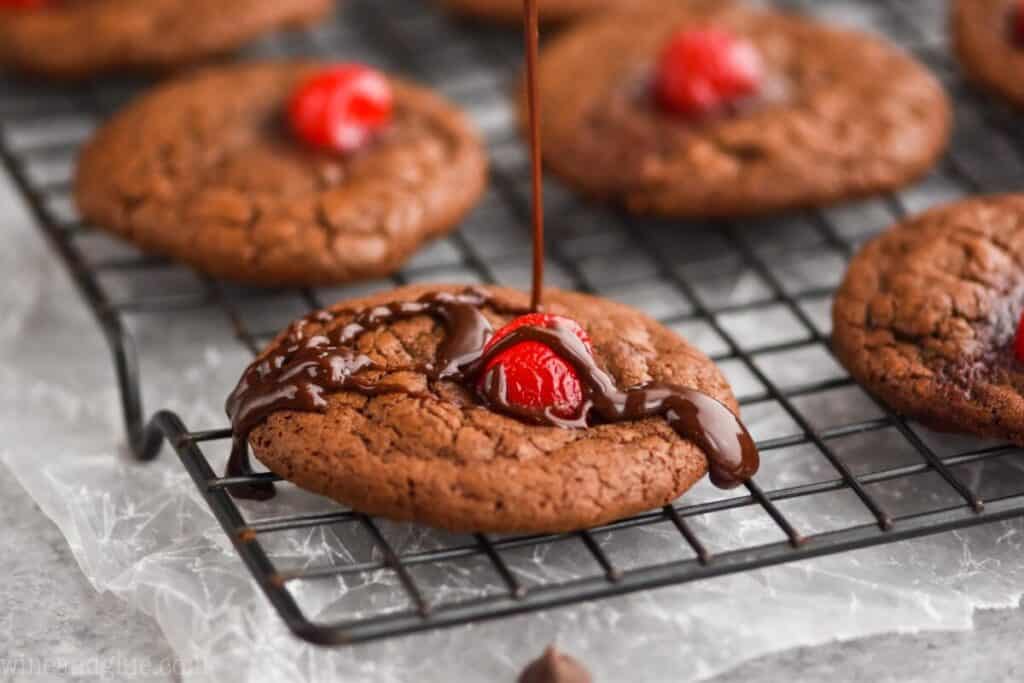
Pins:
<point x="77" y="39"/>
<point x="205" y="171"/>
<point x="926" y="317"/>
<point x="984" y="41"/>
<point x="842" y="114"/>
<point x="442" y="459"/>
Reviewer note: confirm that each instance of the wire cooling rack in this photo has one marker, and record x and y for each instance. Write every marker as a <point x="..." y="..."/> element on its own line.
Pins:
<point x="754" y="295"/>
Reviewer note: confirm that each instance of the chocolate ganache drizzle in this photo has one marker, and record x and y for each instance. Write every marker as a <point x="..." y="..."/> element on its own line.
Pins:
<point x="318" y="356"/>
<point x="305" y="367"/>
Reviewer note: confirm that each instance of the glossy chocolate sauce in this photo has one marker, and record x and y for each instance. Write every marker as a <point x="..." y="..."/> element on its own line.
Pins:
<point x="304" y="367"/>
<point x="307" y="367"/>
<point x="532" y="33"/>
<point x="732" y="455"/>
<point x="317" y="357"/>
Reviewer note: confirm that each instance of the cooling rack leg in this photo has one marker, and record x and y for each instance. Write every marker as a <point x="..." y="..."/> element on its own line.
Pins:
<point x="143" y="441"/>
<point x="147" y="444"/>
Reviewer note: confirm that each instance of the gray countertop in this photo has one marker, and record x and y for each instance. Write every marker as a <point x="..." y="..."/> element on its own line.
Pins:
<point x="88" y="627"/>
<point x="54" y="624"/>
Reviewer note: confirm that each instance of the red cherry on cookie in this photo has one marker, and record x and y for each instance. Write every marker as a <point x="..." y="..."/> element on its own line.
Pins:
<point x="537" y="377"/>
<point x="341" y="108"/>
<point x="702" y="71"/>
<point x="1018" y="344"/>
<point x="23" y="4"/>
<point x="1017" y="21"/>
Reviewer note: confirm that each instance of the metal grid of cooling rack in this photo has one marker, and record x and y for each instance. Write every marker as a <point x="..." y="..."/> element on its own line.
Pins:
<point x="718" y="284"/>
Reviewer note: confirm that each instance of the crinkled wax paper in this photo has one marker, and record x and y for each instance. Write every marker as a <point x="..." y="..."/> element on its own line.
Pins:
<point x="142" y="532"/>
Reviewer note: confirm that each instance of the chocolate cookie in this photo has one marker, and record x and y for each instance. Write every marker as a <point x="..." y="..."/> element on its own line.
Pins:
<point x="988" y="44"/>
<point x="426" y="450"/>
<point x="840" y="114"/>
<point x="926" y="317"/>
<point x="75" y="39"/>
<point x="205" y="171"/>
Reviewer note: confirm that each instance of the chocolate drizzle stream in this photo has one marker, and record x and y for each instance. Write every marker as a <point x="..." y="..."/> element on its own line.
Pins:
<point x="316" y="358"/>
<point x="532" y="33"/>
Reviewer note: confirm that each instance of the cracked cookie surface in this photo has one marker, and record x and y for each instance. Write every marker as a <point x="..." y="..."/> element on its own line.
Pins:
<point x="984" y="42"/>
<point x="841" y="114"/>
<point x="927" y="314"/>
<point x="435" y="455"/>
<point x="204" y="170"/>
<point x="80" y="38"/>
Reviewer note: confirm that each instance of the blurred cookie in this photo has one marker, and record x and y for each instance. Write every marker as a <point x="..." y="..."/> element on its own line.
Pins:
<point x="927" y="317"/>
<point x="74" y="39"/>
<point x="205" y="171"/>
<point x="729" y="111"/>
<point x="989" y="39"/>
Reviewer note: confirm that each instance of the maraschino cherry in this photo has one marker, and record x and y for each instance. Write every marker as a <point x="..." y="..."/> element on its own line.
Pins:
<point x="537" y="377"/>
<point x="702" y="71"/>
<point x="341" y="108"/>
<point x="1018" y="343"/>
<point x="23" y="4"/>
<point x="1017" y="22"/>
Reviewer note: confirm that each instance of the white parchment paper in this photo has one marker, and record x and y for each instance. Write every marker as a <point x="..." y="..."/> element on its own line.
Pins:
<point x="142" y="533"/>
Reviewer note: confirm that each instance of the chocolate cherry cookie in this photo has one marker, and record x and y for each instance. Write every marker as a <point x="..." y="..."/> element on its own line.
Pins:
<point x="927" y="317"/>
<point x="445" y="405"/>
<point x="724" y="110"/>
<point x="283" y="173"/>
<point x="76" y="38"/>
<point x="989" y="39"/>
